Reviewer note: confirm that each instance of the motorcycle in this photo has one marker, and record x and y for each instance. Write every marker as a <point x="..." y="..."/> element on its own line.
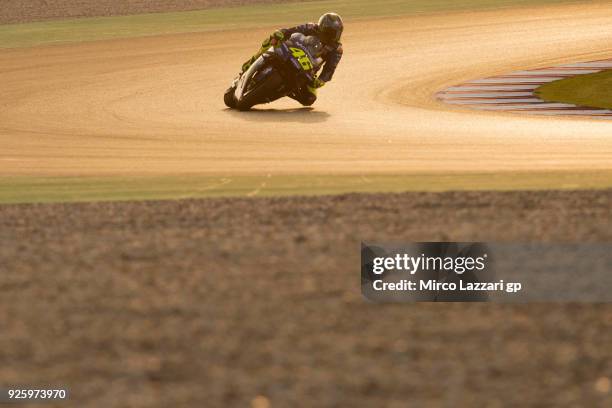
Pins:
<point x="278" y="72"/>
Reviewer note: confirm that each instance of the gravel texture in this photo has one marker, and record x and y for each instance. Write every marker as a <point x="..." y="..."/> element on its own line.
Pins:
<point x="256" y="302"/>
<point x="22" y="11"/>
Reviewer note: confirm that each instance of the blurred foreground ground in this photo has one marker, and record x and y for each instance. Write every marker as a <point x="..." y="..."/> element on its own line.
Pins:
<point x="231" y="302"/>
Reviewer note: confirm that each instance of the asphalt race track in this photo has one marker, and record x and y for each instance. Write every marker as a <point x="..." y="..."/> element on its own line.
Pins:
<point x="154" y="106"/>
<point x="255" y="301"/>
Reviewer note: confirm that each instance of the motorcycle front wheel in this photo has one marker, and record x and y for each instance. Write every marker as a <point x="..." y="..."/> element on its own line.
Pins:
<point x="260" y="90"/>
<point x="229" y="99"/>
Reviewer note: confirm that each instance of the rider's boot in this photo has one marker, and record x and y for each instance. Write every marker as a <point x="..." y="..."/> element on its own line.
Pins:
<point x="273" y="40"/>
<point x="246" y="66"/>
<point x="254" y="58"/>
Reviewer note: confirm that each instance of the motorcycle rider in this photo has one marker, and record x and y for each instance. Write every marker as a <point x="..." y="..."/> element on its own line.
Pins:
<point x="328" y="30"/>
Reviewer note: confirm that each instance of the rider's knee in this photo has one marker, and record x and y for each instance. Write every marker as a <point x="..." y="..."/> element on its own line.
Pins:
<point x="308" y="100"/>
<point x="307" y="96"/>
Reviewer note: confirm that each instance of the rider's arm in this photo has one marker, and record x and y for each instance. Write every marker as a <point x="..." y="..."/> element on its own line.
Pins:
<point x="284" y="33"/>
<point x="306" y="29"/>
<point x="331" y="62"/>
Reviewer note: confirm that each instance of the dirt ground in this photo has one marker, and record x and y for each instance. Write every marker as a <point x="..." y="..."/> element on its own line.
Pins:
<point x="22" y="11"/>
<point x="231" y="302"/>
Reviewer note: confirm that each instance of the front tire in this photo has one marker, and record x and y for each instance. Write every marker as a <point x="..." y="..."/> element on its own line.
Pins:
<point x="229" y="99"/>
<point x="262" y="92"/>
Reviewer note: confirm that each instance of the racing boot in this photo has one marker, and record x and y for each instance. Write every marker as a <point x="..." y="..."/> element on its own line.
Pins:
<point x="273" y="41"/>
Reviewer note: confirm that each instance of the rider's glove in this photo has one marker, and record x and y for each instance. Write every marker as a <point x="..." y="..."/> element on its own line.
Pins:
<point x="317" y="83"/>
<point x="276" y="38"/>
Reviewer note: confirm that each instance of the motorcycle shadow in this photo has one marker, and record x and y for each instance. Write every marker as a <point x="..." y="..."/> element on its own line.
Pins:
<point x="301" y="115"/>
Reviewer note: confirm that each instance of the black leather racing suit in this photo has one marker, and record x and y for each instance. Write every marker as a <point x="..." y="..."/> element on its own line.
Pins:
<point x="331" y="55"/>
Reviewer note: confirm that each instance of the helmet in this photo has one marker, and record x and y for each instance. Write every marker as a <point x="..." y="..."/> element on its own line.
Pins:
<point x="331" y="27"/>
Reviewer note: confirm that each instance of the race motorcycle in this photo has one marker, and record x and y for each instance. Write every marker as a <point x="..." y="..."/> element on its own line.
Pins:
<point x="279" y="72"/>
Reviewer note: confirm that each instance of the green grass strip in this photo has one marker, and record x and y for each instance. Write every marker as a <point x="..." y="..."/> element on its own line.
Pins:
<point x="116" y="188"/>
<point x="590" y="90"/>
<point x="103" y="28"/>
